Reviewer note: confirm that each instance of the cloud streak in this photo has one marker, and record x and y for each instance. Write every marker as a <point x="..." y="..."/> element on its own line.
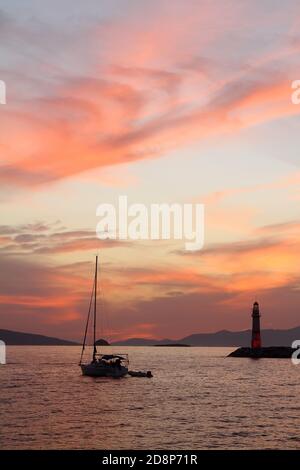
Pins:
<point x="41" y="239"/>
<point x="121" y="111"/>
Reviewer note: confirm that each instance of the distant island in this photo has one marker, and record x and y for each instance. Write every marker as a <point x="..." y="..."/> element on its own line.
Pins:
<point x="170" y="345"/>
<point x="222" y="338"/>
<point x="16" y="338"/>
<point x="102" y="342"/>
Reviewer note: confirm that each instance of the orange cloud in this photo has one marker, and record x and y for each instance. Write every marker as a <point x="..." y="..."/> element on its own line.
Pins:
<point x="142" y="99"/>
<point x="141" y="300"/>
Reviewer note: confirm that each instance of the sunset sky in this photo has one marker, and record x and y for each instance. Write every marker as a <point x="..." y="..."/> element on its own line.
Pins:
<point x="162" y="101"/>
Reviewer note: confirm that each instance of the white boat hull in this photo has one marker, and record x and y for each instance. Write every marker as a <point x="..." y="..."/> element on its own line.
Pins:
<point x="97" y="370"/>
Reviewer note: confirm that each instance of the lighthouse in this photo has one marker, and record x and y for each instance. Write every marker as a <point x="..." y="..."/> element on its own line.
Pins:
<point x="256" y="339"/>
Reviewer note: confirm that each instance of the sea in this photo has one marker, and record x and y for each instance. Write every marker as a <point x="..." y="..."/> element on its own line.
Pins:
<point x="197" y="399"/>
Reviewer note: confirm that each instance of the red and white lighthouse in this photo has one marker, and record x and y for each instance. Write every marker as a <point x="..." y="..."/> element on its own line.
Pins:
<point x="256" y="339"/>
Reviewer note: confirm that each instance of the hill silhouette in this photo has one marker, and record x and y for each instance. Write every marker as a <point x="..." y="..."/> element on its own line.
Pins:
<point x="224" y="338"/>
<point x="16" y="338"/>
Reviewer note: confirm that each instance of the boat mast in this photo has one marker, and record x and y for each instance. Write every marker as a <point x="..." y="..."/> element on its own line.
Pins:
<point x="95" y="310"/>
<point x="87" y="323"/>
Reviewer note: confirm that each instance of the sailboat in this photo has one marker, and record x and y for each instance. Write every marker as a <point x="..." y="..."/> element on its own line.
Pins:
<point x="101" y="365"/>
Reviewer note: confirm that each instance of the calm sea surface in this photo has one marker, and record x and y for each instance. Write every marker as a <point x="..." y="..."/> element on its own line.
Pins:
<point x="197" y="399"/>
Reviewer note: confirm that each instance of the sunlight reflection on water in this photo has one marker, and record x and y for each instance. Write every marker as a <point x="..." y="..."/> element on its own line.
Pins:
<point x="197" y="399"/>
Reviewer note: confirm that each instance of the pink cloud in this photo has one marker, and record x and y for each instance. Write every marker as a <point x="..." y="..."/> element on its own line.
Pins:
<point x="139" y="99"/>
